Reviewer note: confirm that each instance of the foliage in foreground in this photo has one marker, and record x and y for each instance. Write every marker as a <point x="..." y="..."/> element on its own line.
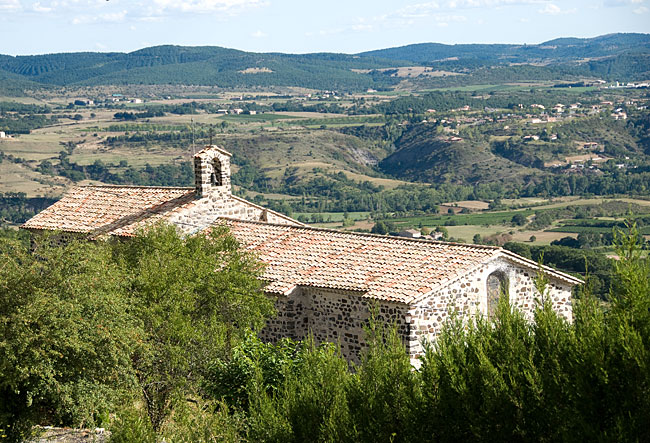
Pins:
<point x="88" y="325"/>
<point x="506" y="380"/>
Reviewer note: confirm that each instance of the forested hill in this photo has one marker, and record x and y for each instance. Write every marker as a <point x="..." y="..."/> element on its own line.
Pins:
<point x="623" y="57"/>
<point x="206" y="65"/>
<point x="560" y="50"/>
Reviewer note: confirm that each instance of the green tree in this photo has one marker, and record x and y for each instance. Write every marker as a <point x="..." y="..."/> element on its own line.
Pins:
<point x="195" y="297"/>
<point x="382" y="227"/>
<point x="519" y="219"/>
<point x="66" y="335"/>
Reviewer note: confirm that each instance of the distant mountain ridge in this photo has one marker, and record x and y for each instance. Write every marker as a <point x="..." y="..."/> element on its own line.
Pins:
<point x="614" y="56"/>
<point x="557" y="50"/>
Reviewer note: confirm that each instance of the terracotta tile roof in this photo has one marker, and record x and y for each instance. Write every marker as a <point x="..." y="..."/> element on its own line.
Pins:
<point x="387" y="268"/>
<point x="118" y="210"/>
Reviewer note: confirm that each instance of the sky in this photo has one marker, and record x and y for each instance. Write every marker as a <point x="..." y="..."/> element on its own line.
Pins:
<point x="300" y="26"/>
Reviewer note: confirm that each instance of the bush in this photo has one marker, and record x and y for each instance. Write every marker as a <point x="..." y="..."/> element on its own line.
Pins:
<point x="66" y="335"/>
<point x="132" y="425"/>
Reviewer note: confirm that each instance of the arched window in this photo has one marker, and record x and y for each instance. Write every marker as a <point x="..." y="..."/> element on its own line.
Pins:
<point x="497" y="284"/>
<point x="215" y="177"/>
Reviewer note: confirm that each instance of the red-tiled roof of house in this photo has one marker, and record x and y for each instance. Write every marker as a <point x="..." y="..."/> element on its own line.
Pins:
<point x="382" y="267"/>
<point x="122" y="210"/>
<point x="387" y="268"/>
<point x="118" y="210"/>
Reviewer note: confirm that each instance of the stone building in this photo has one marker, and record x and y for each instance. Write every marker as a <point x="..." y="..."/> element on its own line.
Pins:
<point x="323" y="281"/>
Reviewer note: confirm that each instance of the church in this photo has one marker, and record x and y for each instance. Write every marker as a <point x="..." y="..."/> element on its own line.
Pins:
<point x="323" y="281"/>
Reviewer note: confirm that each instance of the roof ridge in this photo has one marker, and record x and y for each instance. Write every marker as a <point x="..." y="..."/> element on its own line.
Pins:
<point x="279" y="214"/>
<point x="533" y="264"/>
<point x="185" y="188"/>
<point x="367" y="234"/>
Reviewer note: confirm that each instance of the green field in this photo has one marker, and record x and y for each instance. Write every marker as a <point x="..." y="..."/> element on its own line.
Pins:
<point x="595" y="229"/>
<point x="257" y="117"/>
<point x="333" y="216"/>
<point x="480" y="219"/>
<point x="355" y="120"/>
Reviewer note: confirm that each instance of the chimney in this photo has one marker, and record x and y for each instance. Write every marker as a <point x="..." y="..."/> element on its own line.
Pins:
<point x="212" y="171"/>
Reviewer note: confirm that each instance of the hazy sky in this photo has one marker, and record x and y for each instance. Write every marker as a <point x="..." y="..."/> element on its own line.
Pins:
<point x="44" y="26"/>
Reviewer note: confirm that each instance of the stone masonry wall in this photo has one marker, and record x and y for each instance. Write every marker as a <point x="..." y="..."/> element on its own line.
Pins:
<point x="208" y="161"/>
<point x="339" y="316"/>
<point x="331" y="316"/>
<point x="205" y="211"/>
<point x="467" y="296"/>
<point x="215" y="199"/>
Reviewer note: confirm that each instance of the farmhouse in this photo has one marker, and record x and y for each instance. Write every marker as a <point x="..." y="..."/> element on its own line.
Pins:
<point x="323" y="281"/>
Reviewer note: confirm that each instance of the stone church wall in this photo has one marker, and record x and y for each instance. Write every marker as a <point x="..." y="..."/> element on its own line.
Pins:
<point x="331" y="316"/>
<point x="467" y="297"/>
<point x="339" y="316"/>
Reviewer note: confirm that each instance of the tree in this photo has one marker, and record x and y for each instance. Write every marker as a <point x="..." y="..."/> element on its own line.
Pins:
<point x="383" y="227"/>
<point x="519" y="219"/>
<point x="88" y="324"/>
<point x="66" y="335"/>
<point x="195" y="297"/>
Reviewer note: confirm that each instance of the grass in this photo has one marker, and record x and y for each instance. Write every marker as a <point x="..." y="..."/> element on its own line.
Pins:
<point x="467" y="232"/>
<point x="344" y="120"/>
<point x="479" y="88"/>
<point x="257" y="117"/>
<point x="485" y="218"/>
<point x="334" y="216"/>
<point x="20" y="178"/>
<point x="576" y="89"/>
<point x="645" y="230"/>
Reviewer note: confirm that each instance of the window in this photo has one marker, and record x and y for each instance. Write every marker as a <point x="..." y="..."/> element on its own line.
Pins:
<point x="215" y="177"/>
<point x="496" y="285"/>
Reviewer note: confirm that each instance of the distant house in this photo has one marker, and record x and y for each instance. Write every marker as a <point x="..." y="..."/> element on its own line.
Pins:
<point x="236" y="111"/>
<point x="252" y="112"/>
<point x="136" y="100"/>
<point x="323" y="282"/>
<point x="222" y="111"/>
<point x="455" y="139"/>
<point x="535" y="105"/>
<point x="410" y="233"/>
<point x="531" y="137"/>
<point x="2" y="134"/>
